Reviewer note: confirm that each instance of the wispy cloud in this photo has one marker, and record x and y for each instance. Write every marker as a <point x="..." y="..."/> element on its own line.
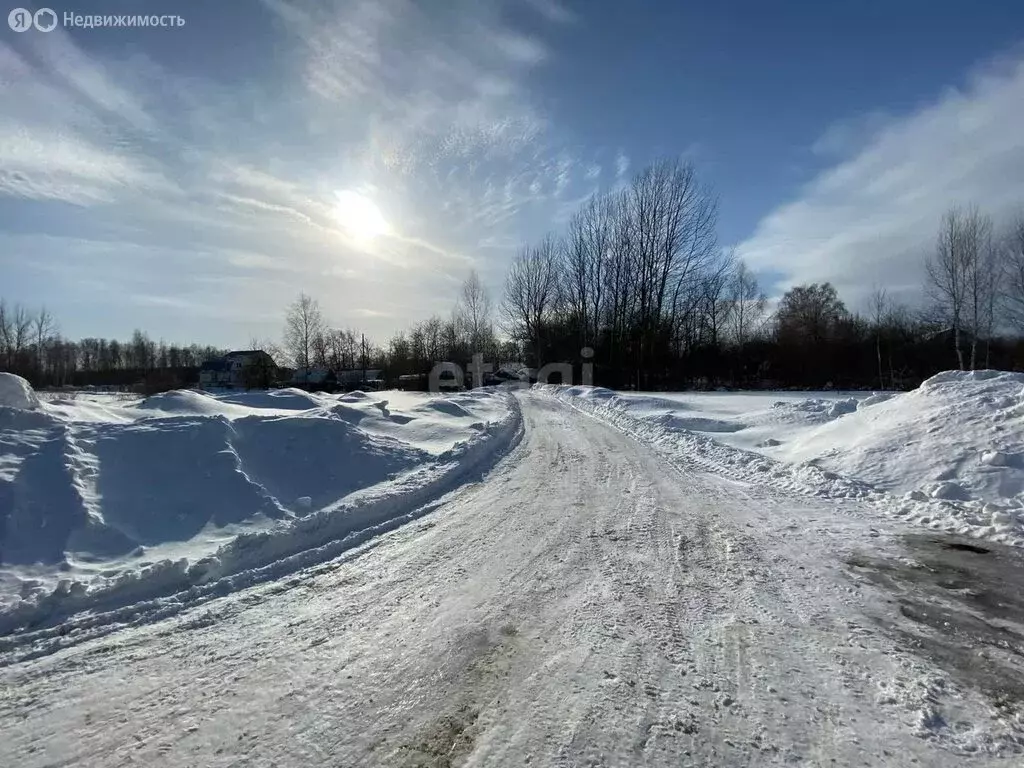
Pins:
<point x="871" y="218"/>
<point x="621" y="164"/>
<point x="424" y="108"/>
<point x="67" y="129"/>
<point x="90" y="82"/>
<point x="553" y="10"/>
<point x="66" y="168"/>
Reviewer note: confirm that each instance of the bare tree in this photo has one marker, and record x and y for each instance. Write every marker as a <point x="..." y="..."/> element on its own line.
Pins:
<point x="980" y="268"/>
<point x="303" y="324"/>
<point x="43" y="327"/>
<point x="531" y="291"/>
<point x="1013" y="283"/>
<point x="618" y="281"/>
<point x="6" y="335"/>
<point x="587" y="255"/>
<point x="672" y="221"/>
<point x="473" y="313"/>
<point x="712" y="291"/>
<point x="961" y="277"/>
<point x="433" y="332"/>
<point x="748" y="305"/>
<point x="320" y="348"/>
<point x="987" y="279"/>
<point x="946" y="281"/>
<point x="878" y="303"/>
<point x="19" y="335"/>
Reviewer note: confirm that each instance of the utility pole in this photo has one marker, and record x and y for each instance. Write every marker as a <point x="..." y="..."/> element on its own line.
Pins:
<point x="362" y="345"/>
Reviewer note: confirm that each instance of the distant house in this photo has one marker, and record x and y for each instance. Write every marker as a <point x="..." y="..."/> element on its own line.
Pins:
<point x="314" y="378"/>
<point x="239" y="370"/>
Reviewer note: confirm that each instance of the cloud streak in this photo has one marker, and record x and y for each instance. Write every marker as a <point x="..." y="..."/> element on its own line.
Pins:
<point x="870" y="219"/>
<point x="233" y="182"/>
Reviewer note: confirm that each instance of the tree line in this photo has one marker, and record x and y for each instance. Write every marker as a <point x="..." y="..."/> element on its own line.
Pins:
<point x="639" y="279"/>
<point x="32" y="346"/>
<point x="638" y="286"/>
<point x="310" y="342"/>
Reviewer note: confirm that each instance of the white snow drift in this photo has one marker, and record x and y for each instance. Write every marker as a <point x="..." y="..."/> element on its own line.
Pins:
<point x="15" y="392"/>
<point x="99" y="497"/>
<point x="949" y="454"/>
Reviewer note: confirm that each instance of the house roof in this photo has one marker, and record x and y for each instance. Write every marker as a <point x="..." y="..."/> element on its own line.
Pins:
<point x="214" y="365"/>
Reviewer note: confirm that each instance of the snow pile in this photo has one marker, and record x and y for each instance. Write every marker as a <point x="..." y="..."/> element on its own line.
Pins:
<point x="949" y="455"/>
<point x="124" y="500"/>
<point x="958" y="437"/>
<point x="17" y="393"/>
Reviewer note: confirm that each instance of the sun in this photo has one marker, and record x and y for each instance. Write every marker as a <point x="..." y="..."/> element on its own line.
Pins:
<point x="359" y="216"/>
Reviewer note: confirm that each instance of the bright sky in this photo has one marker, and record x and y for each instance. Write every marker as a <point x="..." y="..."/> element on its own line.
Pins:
<point x="192" y="180"/>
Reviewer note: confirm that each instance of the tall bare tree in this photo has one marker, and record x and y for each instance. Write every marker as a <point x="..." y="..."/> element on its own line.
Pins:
<point x="587" y="255"/>
<point x="961" y="277"/>
<point x="619" y="279"/>
<point x="988" y="277"/>
<point x="1013" y="282"/>
<point x="43" y="327"/>
<point x="946" y="281"/>
<point x="878" y="304"/>
<point x="320" y="348"/>
<point x="531" y="293"/>
<point x="715" y="308"/>
<point x="748" y="304"/>
<point x="6" y="335"/>
<point x="672" y="220"/>
<point x="473" y="314"/>
<point x="303" y="324"/>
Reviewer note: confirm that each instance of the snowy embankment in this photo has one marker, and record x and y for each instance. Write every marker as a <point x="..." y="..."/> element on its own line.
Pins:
<point x="104" y="504"/>
<point x="948" y="455"/>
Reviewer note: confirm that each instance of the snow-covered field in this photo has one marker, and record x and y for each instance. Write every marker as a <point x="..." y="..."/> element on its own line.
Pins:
<point x="593" y="598"/>
<point x="105" y="501"/>
<point x="948" y="455"/>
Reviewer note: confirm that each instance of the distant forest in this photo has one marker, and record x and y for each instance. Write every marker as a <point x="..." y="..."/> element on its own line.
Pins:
<point x="639" y="281"/>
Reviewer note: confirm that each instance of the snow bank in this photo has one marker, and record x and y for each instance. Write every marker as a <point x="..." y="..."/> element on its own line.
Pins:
<point x="949" y="455"/>
<point x="136" y="499"/>
<point x="16" y="392"/>
<point x="161" y="587"/>
<point x="958" y="437"/>
<point x="289" y="399"/>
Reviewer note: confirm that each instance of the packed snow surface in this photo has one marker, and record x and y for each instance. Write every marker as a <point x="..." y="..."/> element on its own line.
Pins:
<point x="593" y="600"/>
<point x="949" y="454"/>
<point x="95" y="490"/>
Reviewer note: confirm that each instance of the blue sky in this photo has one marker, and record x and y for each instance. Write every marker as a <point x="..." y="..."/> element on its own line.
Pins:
<point x="185" y="180"/>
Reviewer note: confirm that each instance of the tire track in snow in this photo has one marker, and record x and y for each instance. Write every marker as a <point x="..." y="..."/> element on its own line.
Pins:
<point x="574" y="543"/>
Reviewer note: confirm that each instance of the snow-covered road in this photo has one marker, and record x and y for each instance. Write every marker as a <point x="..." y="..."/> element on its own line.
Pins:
<point x="586" y="604"/>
